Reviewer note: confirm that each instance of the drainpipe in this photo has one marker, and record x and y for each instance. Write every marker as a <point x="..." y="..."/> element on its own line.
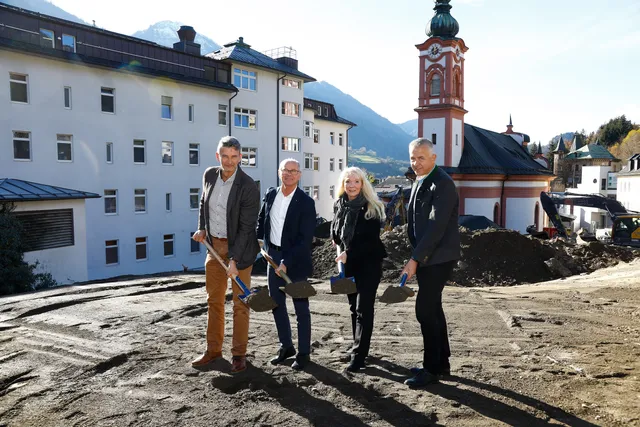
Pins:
<point x="278" y="126"/>
<point x="229" y="115"/>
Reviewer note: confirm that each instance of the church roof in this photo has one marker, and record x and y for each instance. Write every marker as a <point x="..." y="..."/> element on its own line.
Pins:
<point x="487" y="152"/>
<point x="561" y="148"/>
<point x="591" y="151"/>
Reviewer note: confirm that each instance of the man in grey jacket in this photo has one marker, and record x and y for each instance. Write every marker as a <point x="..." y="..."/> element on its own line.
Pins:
<point x="434" y="236"/>
<point x="229" y="209"/>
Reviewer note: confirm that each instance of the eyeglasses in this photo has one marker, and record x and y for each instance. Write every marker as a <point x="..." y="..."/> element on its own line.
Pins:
<point x="290" y="171"/>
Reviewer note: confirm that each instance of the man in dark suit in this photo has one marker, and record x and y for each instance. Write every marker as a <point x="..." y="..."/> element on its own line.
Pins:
<point x="434" y="236"/>
<point x="286" y="223"/>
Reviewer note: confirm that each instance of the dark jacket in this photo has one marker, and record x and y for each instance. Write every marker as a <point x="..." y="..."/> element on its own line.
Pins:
<point x="437" y="238"/>
<point x="366" y="249"/>
<point x="242" y="210"/>
<point x="297" y="232"/>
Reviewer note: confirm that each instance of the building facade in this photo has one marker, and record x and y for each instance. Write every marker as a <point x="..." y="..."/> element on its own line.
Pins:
<point x="138" y="124"/>
<point x="628" y="184"/>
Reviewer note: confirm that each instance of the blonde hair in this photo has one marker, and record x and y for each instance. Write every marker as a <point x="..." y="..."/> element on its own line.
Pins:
<point x="375" y="207"/>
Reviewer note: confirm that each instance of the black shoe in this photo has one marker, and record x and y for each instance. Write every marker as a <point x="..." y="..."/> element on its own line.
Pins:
<point x="444" y="372"/>
<point x="355" y="366"/>
<point x="283" y="354"/>
<point x="302" y="360"/>
<point x="422" y="379"/>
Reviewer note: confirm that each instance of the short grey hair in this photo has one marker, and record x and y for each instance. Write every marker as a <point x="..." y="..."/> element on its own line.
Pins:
<point x="229" y="142"/>
<point x="289" y="160"/>
<point x="419" y="142"/>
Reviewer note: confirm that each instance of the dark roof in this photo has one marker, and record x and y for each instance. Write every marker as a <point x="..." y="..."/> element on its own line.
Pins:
<point x="242" y="52"/>
<point x="333" y="114"/>
<point x="17" y="190"/>
<point x="561" y="147"/>
<point x="487" y="152"/>
<point x="591" y="151"/>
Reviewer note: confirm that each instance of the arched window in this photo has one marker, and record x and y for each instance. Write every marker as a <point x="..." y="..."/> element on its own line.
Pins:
<point x="435" y="85"/>
<point x="536" y="216"/>
<point x="496" y="213"/>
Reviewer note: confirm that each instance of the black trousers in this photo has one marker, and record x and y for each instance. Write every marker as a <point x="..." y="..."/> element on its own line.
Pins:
<point x="362" y="310"/>
<point x="431" y="281"/>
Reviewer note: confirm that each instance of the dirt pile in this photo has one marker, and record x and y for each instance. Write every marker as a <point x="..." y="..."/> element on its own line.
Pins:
<point x="492" y="257"/>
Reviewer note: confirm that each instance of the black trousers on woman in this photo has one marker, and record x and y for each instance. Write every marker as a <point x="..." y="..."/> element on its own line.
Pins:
<point x="362" y="310"/>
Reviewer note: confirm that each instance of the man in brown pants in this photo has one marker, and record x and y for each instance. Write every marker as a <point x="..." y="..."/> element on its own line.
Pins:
<point x="229" y="209"/>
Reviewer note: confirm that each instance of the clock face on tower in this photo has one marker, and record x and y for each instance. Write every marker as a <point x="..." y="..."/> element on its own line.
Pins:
<point x="434" y="51"/>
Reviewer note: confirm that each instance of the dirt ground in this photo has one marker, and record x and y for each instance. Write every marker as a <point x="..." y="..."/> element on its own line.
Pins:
<point x="565" y="352"/>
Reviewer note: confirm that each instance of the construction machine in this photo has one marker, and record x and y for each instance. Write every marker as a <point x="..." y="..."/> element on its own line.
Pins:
<point x="625" y="230"/>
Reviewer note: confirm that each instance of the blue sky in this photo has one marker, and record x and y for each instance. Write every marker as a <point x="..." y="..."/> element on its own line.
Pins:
<point x="556" y="66"/>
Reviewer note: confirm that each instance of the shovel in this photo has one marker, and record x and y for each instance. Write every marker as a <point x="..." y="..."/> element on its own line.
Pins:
<point x="257" y="299"/>
<point x="341" y="284"/>
<point x="395" y="294"/>
<point x="301" y="289"/>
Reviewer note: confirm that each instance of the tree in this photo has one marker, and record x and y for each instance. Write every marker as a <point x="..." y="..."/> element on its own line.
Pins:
<point x="614" y="131"/>
<point x="629" y="146"/>
<point x="533" y="149"/>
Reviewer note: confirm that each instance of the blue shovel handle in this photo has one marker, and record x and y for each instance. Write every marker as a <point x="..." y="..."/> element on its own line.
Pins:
<point x="235" y="278"/>
<point x="242" y="285"/>
<point x="403" y="279"/>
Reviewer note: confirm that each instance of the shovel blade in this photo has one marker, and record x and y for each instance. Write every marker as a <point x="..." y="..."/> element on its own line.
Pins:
<point x="259" y="300"/>
<point x="302" y="289"/>
<point x="396" y="294"/>
<point x="343" y="285"/>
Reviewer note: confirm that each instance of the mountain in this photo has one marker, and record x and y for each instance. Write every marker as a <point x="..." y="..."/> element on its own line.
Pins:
<point x="44" y="7"/>
<point x="373" y="131"/>
<point x="410" y="127"/>
<point x="165" y="33"/>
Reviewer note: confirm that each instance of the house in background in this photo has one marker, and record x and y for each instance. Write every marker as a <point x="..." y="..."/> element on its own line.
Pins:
<point x="628" y="185"/>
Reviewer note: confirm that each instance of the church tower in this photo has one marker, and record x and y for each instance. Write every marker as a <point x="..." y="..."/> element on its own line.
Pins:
<point x="441" y="93"/>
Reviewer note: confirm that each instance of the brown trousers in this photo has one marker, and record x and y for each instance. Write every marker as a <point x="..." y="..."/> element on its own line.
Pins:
<point x="216" y="285"/>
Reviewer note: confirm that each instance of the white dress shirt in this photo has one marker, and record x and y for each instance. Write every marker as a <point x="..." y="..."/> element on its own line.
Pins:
<point x="218" y="205"/>
<point x="278" y="214"/>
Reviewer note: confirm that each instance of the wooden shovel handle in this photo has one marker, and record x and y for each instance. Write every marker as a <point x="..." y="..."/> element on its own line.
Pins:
<point x="270" y="260"/>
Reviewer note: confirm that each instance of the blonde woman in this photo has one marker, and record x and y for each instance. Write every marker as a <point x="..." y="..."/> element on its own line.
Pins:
<point x="358" y="216"/>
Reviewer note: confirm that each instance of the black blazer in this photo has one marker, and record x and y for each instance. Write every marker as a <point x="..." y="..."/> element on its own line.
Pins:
<point x="366" y="249"/>
<point x="297" y="232"/>
<point x="242" y="210"/>
<point x="434" y="235"/>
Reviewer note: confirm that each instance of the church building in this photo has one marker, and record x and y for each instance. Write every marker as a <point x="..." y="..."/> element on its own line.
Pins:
<point x="494" y="172"/>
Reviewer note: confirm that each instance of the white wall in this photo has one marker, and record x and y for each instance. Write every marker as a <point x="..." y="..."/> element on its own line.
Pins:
<point x="591" y="174"/>
<point x="477" y="206"/>
<point x="437" y="126"/>
<point x="67" y="264"/>
<point x="520" y="212"/>
<point x="629" y="192"/>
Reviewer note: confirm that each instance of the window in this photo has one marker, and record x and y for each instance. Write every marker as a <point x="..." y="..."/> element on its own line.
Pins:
<point x="316" y="192"/>
<point x="167" y="107"/>
<point x="316" y="136"/>
<point x="195" y="246"/>
<point x="67" y="97"/>
<point x="603" y="185"/>
<point x="168" y="245"/>
<point x="319" y="110"/>
<point x="47" y="38"/>
<point x="243" y="79"/>
<point x="290" y="109"/>
<point x="194" y="154"/>
<point x="139" y="152"/>
<point x="109" y="152"/>
<point x="64" y="148"/>
<point x="316" y="163"/>
<point x="222" y="114"/>
<point x="340" y="164"/>
<point x="496" y="213"/>
<point x="68" y="43"/>
<point x="18" y="86"/>
<point x="244" y="118"/>
<point x="167" y="202"/>
<point x="456" y="139"/>
<point x="140" y="200"/>
<point x="332" y="191"/>
<point x="435" y="85"/>
<point x="110" y="202"/>
<point x="308" y="160"/>
<point x="192" y="112"/>
<point x="21" y="145"/>
<point x="340" y="140"/>
<point x="332" y="138"/>
<point x="34" y="221"/>
<point x="308" y="129"/>
<point x="308" y="191"/>
<point x="291" y="83"/>
<point x="141" y="248"/>
<point x="167" y="153"/>
<point x="434" y="138"/>
<point x="194" y="198"/>
<point x="249" y="156"/>
<point x="290" y="144"/>
<point x="326" y="111"/>
<point x="111" y="252"/>
<point x="331" y="165"/>
<point x="108" y="100"/>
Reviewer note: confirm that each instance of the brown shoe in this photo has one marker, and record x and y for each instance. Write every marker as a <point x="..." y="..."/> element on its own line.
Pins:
<point x="238" y="364"/>
<point x="206" y="358"/>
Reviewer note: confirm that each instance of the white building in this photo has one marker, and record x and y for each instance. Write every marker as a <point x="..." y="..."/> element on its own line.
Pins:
<point x="138" y="123"/>
<point x="629" y="184"/>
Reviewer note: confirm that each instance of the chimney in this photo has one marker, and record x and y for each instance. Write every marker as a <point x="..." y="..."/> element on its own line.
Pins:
<point x="187" y="44"/>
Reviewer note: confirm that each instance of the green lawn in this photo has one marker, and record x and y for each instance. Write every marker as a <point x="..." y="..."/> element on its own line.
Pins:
<point x="363" y="158"/>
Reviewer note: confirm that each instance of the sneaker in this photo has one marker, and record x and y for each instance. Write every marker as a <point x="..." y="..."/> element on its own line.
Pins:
<point x="238" y="364"/>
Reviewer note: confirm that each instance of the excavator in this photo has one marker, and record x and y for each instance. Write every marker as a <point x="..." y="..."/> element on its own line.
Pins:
<point x="625" y="230"/>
